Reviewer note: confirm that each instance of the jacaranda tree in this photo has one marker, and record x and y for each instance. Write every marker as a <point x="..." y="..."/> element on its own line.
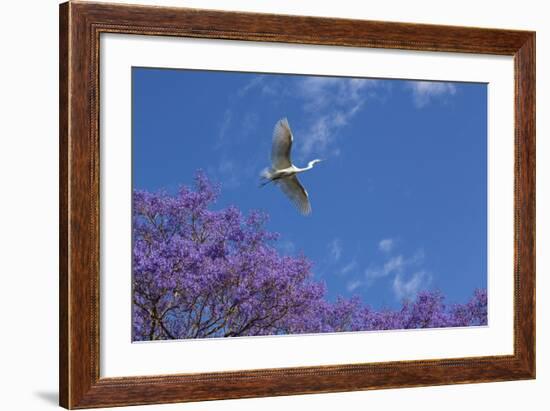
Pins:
<point x="199" y="272"/>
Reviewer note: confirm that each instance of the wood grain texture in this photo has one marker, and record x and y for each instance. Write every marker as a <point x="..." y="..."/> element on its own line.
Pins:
<point x="525" y="203"/>
<point x="63" y="205"/>
<point x="80" y="27"/>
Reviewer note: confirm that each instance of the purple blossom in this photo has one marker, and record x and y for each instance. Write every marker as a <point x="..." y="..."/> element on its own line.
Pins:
<point x="201" y="273"/>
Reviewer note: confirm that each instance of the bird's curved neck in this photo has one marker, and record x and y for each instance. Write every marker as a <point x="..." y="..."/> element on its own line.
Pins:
<point x="308" y="167"/>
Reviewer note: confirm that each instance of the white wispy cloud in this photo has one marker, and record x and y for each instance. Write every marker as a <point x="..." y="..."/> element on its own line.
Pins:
<point x="323" y="131"/>
<point x="260" y="82"/>
<point x="226" y="172"/>
<point x="224" y="126"/>
<point x="353" y="285"/>
<point x="386" y="245"/>
<point x="351" y="266"/>
<point x="328" y="103"/>
<point x="426" y="91"/>
<point x="252" y="83"/>
<point x="316" y="91"/>
<point x="286" y="246"/>
<point x="249" y="123"/>
<point x="323" y="92"/>
<point x="406" y="289"/>
<point x="353" y="282"/>
<point x="231" y="173"/>
<point x="335" y="249"/>
<point x="418" y="256"/>
<point x="393" y="265"/>
<point x="331" y="103"/>
<point x="238" y="123"/>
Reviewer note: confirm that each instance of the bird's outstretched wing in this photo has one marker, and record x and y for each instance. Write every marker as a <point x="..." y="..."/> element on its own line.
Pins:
<point x="296" y="193"/>
<point x="282" y="144"/>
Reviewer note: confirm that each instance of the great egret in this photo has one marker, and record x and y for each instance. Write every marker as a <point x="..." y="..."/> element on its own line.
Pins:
<point x="283" y="172"/>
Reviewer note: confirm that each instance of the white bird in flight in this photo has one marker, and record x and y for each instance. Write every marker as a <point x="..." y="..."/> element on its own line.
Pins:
<point x="283" y="172"/>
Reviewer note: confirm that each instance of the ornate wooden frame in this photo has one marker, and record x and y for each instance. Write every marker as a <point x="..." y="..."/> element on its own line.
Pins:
<point x="80" y="384"/>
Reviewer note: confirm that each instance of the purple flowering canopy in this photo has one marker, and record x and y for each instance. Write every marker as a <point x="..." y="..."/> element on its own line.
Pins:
<point x="200" y="273"/>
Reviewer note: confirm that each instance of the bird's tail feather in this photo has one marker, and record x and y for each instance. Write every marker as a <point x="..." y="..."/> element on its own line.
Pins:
<point x="266" y="173"/>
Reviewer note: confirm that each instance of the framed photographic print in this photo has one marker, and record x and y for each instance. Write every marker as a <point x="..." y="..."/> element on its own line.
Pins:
<point x="258" y="205"/>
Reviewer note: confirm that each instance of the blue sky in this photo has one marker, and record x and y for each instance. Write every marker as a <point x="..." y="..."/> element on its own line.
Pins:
<point x="400" y="203"/>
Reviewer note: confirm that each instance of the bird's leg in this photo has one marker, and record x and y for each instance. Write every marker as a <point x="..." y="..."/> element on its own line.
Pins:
<point x="264" y="181"/>
<point x="267" y="180"/>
